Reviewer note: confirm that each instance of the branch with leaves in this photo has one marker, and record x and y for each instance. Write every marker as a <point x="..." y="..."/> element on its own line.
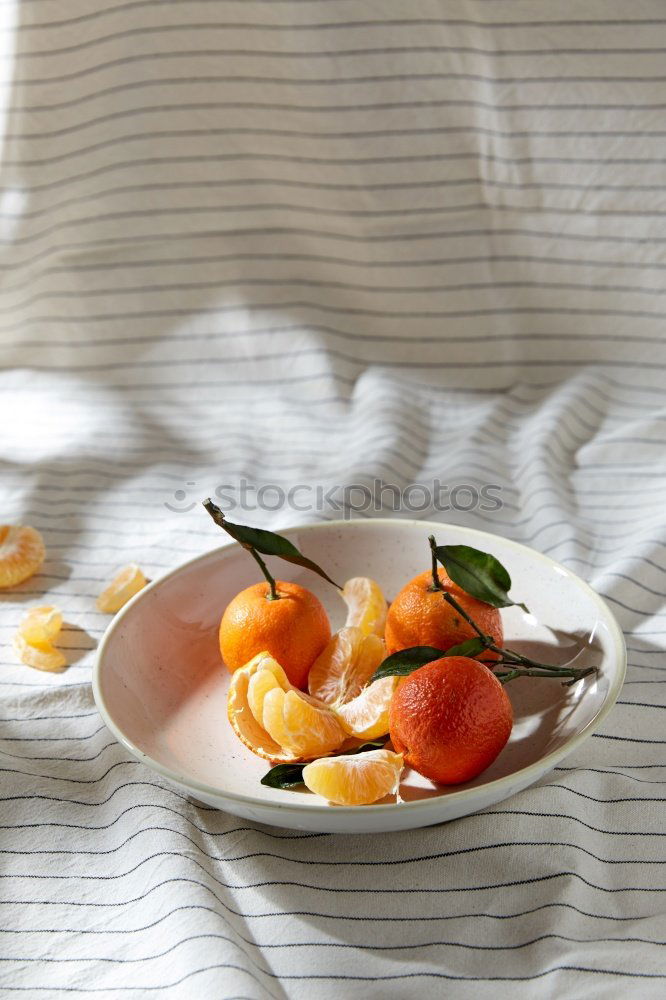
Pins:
<point x="268" y="543"/>
<point x="482" y="576"/>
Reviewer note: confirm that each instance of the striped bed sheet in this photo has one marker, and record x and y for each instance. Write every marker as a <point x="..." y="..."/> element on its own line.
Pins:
<point x="333" y="243"/>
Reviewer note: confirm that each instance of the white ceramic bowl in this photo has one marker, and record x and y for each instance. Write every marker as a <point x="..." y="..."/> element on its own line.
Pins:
<point x="161" y="688"/>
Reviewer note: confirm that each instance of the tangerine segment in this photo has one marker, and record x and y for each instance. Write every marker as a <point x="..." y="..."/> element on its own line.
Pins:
<point x="248" y="730"/>
<point x="366" y="605"/>
<point x="367" y="716"/>
<point x="22" y="552"/>
<point x="41" y="624"/>
<point x="356" y="779"/>
<point x="258" y="687"/>
<point x="126" y="584"/>
<point x="270" y="675"/>
<point x="300" y="726"/>
<point x="345" y="666"/>
<point x="42" y="655"/>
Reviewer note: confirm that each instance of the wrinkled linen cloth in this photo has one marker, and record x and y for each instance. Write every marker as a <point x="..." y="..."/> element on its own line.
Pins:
<point x="330" y="243"/>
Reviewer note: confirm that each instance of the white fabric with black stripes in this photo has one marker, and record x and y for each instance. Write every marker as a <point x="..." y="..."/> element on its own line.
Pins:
<point x="328" y="241"/>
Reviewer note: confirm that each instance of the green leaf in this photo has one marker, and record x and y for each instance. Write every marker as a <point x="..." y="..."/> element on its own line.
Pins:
<point x="266" y="542"/>
<point x="470" y="647"/>
<point x="284" y="776"/>
<point x="291" y="775"/>
<point x="406" y="661"/>
<point x="477" y="573"/>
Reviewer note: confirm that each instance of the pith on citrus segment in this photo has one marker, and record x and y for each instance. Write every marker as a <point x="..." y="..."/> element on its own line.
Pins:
<point x="450" y="719"/>
<point x="345" y="666"/>
<point x="270" y="675"/>
<point x="367" y="715"/>
<point x="356" y="779"/>
<point x="124" y="585"/>
<point x="301" y="727"/>
<point x="258" y="687"/>
<point x="366" y="605"/>
<point x="294" y="629"/>
<point x="22" y="552"/>
<point x="42" y="655"/>
<point x="419" y="616"/>
<point x="248" y="730"/>
<point x="41" y="623"/>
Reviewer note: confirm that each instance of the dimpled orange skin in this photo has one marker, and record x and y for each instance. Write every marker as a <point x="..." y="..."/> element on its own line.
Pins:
<point x="294" y="629"/>
<point x="420" y="616"/>
<point x="450" y="719"/>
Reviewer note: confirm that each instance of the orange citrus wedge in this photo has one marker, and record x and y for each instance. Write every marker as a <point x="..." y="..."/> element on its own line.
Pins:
<point x="356" y="779"/>
<point x="366" y="605"/>
<point x="300" y="726"/>
<point x="42" y="654"/>
<point x="123" y="586"/>
<point x="259" y="685"/>
<point x="22" y="552"/>
<point x="345" y="666"/>
<point x="367" y="715"/>
<point x="41" y="623"/>
<point x="268" y="675"/>
<point x="247" y="728"/>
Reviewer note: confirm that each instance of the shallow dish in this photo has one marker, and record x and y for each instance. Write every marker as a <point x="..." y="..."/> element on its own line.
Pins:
<point x="161" y="688"/>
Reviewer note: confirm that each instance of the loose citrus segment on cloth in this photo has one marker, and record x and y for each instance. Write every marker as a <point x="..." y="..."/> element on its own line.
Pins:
<point x="42" y="655"/>
<point x="367" y="716"/>
<point x="247" y="728"/>
<point x="41" y="624"/>
<point x="345" y="666"/>
<point x="366" y="605"/>
<point x="34" y="640"/>
<point x="355" y="780"/>
<point x="300" y="726"/>
<point x="22" y="552"/>
<point x="123" y="586"/>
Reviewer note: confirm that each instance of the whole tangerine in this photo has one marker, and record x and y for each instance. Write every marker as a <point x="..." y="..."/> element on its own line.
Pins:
<point x="419" y="616"/>
<point x="294" y="629"/>
<point x="450" y="719"/>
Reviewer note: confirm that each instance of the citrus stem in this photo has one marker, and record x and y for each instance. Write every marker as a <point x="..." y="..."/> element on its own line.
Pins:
<point x="486" y="639"/>
<point x="509" y="657"/>
<point x="574" y="675"/>
<point x="272" y="594"/>
<point x="436" y="582"/>
<point x="218" y="517"/>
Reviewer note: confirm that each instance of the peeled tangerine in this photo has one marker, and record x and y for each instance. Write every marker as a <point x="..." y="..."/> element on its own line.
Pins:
<point x="123" y="586"/>
<point x="274" y="719"/>
<point x="22" y="552"/>
<point x="299" y="726"/>
<point x="346" y="665"/>
<point x="34" y="640"/>
<point x="355" y="779"/>
<point x="366" y="716"/>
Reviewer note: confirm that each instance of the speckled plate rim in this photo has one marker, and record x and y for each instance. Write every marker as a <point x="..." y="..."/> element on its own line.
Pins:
<point x="523" y="775"/>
